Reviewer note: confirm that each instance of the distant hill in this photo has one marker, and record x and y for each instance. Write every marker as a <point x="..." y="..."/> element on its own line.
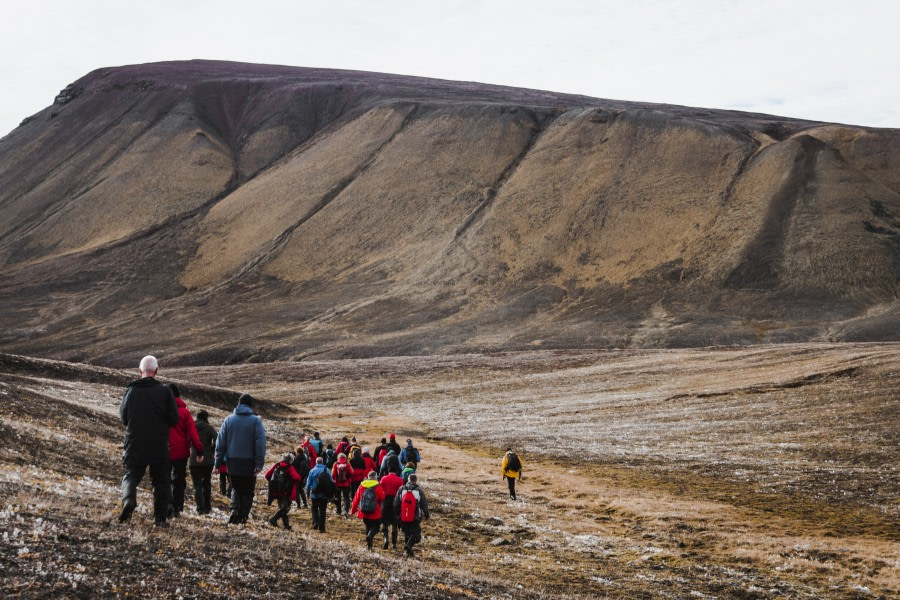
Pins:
<point x="221" y="212"/>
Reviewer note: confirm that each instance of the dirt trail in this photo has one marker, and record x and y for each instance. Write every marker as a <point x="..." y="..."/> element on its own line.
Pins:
<point x="609" y="531"/>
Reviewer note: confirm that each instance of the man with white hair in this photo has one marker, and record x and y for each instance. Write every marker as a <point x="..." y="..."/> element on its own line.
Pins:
<point x="147" y="410"/>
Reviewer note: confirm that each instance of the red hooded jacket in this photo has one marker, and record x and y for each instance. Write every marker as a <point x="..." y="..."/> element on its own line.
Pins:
<point x="379" y="497"/>
<point x="184" y="435"/>
<point x="342" y="460"/>
<point x="292" y="473"/>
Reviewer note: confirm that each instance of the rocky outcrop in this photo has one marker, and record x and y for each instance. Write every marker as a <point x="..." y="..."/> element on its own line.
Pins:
<point x="227" y="212"/>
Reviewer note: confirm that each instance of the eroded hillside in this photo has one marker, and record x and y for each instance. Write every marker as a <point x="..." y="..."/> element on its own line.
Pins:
<point x="234" y="212"/>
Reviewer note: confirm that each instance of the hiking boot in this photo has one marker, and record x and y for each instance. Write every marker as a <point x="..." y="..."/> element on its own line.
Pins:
<point x="385" y="547"/>
<point x="161" y="523"/>
<point x="409" y="553"/>
<point x="274" y="522"/>
<point x="127" y="509"/>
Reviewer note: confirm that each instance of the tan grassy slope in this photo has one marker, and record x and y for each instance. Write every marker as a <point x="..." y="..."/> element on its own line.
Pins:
<point x="763" y="473"/>
<point x="268" y="212"/>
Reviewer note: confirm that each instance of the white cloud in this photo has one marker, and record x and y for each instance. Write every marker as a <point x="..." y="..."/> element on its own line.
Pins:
<point x="822" y="60"/>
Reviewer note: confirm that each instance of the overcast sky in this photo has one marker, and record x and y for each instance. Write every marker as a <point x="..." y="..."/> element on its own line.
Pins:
<point x="816" y="59"/>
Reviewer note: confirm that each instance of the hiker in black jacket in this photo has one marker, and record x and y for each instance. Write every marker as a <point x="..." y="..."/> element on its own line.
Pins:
<point x="147" y="410"/>
<point x="201" y="472"/>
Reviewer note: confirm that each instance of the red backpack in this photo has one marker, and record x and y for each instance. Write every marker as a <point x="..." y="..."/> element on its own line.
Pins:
<point x="409" y="505"/>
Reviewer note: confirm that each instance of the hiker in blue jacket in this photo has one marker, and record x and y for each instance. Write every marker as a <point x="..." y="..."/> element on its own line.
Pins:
<point x="410" y="454"/>
<point x="242" y="439"/>
<point x="320" y="489"/>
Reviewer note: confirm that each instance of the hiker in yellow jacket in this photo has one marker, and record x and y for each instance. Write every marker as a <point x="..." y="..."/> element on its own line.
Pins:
<point x="511" y="467"/>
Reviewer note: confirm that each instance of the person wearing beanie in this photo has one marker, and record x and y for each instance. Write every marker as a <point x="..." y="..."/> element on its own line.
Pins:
<point x="241" y="445"/>
<point x="147" y="410"/>
<point x="410" y="454"/>
<point x="393" y="445"/>
<point x="201" y="470"/>
<point x="283" y="483"/>
<point x="183" y="439"/>
<point x="367" y="505"/>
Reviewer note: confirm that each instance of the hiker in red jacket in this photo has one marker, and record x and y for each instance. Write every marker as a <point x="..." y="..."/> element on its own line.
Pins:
<point x="283" y="483"/>
<point x="182" y="436"/>
<point x="367" y="503"/>
<point x="310" y="451"/>
<point x="343" y="446"/>
<point x="391" y="482"/>
<point x="342" y="475"/>
<point x="371" y="465"/>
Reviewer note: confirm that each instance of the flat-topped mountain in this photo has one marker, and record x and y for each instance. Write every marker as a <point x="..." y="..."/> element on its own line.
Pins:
<point x="221" y="212"/>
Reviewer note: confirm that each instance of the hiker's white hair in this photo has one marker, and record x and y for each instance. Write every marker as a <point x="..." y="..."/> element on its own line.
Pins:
<point x="149" y="364"/>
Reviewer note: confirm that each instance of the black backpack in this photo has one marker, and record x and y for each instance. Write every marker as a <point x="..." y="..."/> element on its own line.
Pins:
<point x="369" y="501"/>
<point x="513" y="463"/>
<point x="281" y="482"/>
<point x="322" y="484"/>
<point x="393" y="465"/>
<point x="330" y="457"/>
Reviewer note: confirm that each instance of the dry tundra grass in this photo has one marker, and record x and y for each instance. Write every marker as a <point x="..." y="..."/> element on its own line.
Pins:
<point x="737" y="473"/>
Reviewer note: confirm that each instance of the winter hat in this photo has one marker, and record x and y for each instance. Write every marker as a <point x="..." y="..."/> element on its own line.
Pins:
<point x="203" y="415"/>
<point x="175" y="391"/>
<point x="246" y="399"/>
<point x="393" y="436"/>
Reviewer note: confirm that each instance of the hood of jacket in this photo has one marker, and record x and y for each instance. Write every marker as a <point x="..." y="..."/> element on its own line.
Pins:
<point x="342" y="459"/>
<point x="180" y="403"/>
<point x="368" y="483"/>
<point x="243" y="409"/>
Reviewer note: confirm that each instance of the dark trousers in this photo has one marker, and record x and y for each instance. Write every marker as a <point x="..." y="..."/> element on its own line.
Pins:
<point x="511" y="482"/>
<point x="412" y="533"/>
<point x="243" y="488"/>
<point x="319" y="511"/>
<point x="301" y="493"/>
<point x="372" y="527"/>
<point x="343" y="493"/>
<point x="201" y="477"/>
<point x="224" y="485"/>
<point x="284" y="507"/>
<point x="392" y="526"/>
<point x="179" y="483"/>
<point x="160" y="480"/>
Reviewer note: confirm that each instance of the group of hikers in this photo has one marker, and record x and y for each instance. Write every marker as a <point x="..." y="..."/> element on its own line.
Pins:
<point x="380" y="487"/>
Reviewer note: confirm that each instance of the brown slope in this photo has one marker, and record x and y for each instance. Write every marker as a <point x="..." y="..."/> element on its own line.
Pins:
<point x="257" y="212"/>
